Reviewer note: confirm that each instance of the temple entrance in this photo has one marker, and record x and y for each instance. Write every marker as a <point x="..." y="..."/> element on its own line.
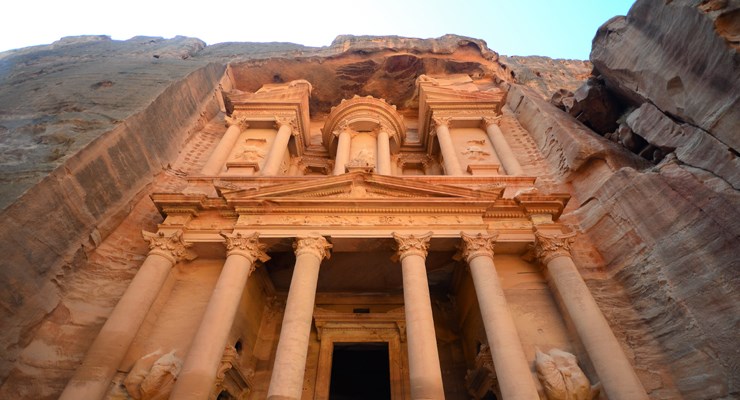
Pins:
<point x="360" y="371"/>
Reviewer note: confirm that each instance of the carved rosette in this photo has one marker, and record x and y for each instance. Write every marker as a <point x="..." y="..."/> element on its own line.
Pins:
<point x="171" y="247"/>
<point x="247" y="246"/>
<point x="473" y="246"/>
<point x="315" y="245"/>
<point x="241" y="122"/>
<point x="488" y="121"/>
<point x="550" y="246"/>
<point x="408" y="245"/>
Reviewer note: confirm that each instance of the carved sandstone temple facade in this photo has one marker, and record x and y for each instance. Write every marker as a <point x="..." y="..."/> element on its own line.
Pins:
<point x="370" y="252"/>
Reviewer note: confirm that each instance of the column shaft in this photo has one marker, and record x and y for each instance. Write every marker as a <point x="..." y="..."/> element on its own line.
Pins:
<point x="503" y="150"/>
<point x="216" y="161"/>
<point x="198" y="375"/>
<point x="424" y="370"/>
<point x="278" y="149"/>
<point x="286" y="382"/>
<point x="384" y="153"/>
<point x="92" y="378"/>
<point x="343" y="148"/>
<point x="614" y="369"/>
<point x="449" y="156"/>
<point x="512" y="369"/>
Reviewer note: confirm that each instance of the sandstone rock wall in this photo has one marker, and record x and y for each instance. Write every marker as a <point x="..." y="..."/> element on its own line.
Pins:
<point x="47" y="232"/>
<point x="665" y="235"/>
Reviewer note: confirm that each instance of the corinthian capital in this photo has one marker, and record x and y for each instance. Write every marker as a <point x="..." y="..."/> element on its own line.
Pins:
<point x="441" y="121"/>
<point x="473" y="246"/>
<point x="487" y="121"/>
<point x="281" y="121"/>
<point x="313" y="244"/>
<point x="241" y="122"/>
<point x="550" y="246"/>
<point x="412" y="245"/>
<point x="245" y="245"/>
<point x="171" y="246"/>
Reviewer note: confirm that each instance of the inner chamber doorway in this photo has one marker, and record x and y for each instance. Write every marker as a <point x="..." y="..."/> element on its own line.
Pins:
<point x="360" y="371"/>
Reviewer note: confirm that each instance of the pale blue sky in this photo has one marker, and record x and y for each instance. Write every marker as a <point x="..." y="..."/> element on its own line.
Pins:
<point x="554" y="28"/>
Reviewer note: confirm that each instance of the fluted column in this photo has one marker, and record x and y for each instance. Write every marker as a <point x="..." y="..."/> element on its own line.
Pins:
<point x="501" y="146"/>
<point x="449" y="155"/>
<point x="512" y="369"/>
<point x="279" y="146"/>
<point x="424" y="369"/>
<point x="384" y="153"/>
<point x="286" y="382"/>
<point x="343" y="148"/>
<point x="614" y="369"/>
<point x="198" y="374"/>
<point x="217" y="159"/>
<point x="92" y="378"/>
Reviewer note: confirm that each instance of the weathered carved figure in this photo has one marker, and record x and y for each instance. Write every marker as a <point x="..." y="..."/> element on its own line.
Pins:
<point x="562" y="378"/>
<point x="152" y="376"/>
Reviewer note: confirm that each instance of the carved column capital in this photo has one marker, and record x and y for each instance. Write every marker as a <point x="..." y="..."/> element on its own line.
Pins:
<point x="316" y="245"/>
<point x="245" y="245"/>
<point x="241" y="122"/>
<point x="489" y="120"/>
<point x="281" y="121"/>
<point x="171" y="246"/>
<point x="550" y="246"/>
<point x="441" y="121"/>
<point x="473" y="246"/>
<point x="412" y="245"/>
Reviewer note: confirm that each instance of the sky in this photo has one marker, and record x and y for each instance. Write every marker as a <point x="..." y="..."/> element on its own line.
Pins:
<point x="553" y="28"/>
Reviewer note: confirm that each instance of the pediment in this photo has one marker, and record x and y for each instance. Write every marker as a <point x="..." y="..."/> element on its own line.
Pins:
<point x="360" y="186"/>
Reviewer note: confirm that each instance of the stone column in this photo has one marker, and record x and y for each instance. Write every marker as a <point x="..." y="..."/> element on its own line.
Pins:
<point x="286" y="382"/>
<point x="512" y="369"/>
<point x="196" y="380"/>
<point x="343" y="148"/>
<point x="384" y="153"/>
<point x="614" y="369"/>
<point x="92" y="379"/>
<point x="216" y="162"/>
<point x="449" y="155"/>
<point x="424" y="369"/>
<point x="501" y="146"/>
<point x="279" y="146"/>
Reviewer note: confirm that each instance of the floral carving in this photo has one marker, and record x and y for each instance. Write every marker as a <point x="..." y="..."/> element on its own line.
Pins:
<point x="473" y="246"/>
<point x="412" y="245"/>
<point x="316" y="245"/>
<point x="171" y="246"/>
<point x="246" y="245"/>
<point x="281" y="121"/>
<point x="241" y="122"/>
<point x="487" y="121"/>
<point x="441" y="121"/>
<point x="550" y="246"/>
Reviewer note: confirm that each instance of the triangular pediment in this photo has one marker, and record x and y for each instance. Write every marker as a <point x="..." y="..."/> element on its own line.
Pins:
<point x="359" y="186"/>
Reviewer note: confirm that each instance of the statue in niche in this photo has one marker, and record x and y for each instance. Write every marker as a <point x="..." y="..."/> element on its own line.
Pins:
<point x="152" y="376"/>
<point x="562" y="378"/>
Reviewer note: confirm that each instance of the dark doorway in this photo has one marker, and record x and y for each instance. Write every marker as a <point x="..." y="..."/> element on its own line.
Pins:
<point x="360" y="371"/>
